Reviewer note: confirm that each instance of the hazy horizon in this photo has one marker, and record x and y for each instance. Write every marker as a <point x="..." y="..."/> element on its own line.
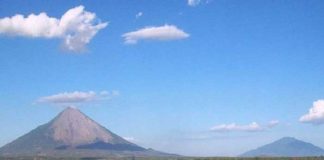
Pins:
<point x="191" y="77"/>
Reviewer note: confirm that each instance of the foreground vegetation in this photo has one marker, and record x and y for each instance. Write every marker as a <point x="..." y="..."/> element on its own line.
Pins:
<point x="165" y="158"/>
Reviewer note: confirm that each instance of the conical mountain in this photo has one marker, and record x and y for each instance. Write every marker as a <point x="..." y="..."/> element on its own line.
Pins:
<point x="71" y="133"/>
<point x="72" y="128"/>
<point x="286" y="147"/>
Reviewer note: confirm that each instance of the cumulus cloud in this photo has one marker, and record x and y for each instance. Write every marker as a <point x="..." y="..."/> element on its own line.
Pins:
<point x="315" y="114"/>
<point x="76" y="27"/>
<point x="131" y="139"/>
<point x="252" y="127"/>
<point x="77" y="97"/>
<point x="193" y="2"/>
<point x="273" y="123"/>
<point x="138" y="15"/>
<point x="166" y="32"/>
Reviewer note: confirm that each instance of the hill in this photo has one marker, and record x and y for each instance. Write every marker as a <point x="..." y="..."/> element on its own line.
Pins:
<point x="73" y="134"/>
<point x="286" y="147"/>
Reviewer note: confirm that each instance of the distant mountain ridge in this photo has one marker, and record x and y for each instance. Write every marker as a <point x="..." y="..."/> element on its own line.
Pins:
<point x="72" y="133"/>
<point x="286" y="147"/>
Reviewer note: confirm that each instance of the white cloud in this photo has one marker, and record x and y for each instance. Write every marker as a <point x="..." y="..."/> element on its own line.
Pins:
<point x="131" y="139"/>
<point x="110" y="94"/>
<point x="315" y="114"/>
<point x="76" y="97"/>
<point x="76" y="27"/>
<point x="193" y="2"/>
<point x="252" y="127"/>
<point x="138" y="15"/>
<point x="166" y="32"/>
<point x="273" y="123"/>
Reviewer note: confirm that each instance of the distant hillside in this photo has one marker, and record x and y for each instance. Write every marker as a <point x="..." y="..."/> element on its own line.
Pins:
<point x="72" y="133"/>
<point x="286" y="147"/>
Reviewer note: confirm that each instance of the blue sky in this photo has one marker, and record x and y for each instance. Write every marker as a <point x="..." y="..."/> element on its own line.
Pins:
<point x="192" y="83"/>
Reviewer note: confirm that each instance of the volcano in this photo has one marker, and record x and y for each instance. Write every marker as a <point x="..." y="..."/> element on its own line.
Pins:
<point x="73" y="134"/>
<point x="286" y="147"/>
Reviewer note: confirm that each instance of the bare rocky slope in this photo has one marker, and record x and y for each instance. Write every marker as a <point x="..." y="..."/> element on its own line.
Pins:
<point x="71" y="134"/>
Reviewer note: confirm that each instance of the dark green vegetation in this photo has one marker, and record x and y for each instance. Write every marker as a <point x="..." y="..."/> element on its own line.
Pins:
<point x="167" y="158"/>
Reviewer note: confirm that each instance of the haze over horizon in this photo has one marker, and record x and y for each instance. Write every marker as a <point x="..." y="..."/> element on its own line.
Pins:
<point x="191" y="77"/>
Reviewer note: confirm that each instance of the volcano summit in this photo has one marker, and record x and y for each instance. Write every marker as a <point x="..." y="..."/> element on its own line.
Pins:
<point x="73" y="134"/>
